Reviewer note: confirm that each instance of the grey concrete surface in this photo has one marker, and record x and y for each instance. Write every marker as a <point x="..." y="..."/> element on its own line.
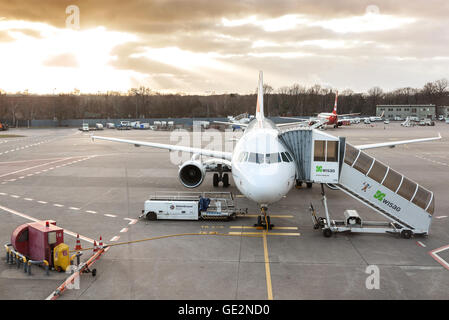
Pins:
<point x="98" y="188"/>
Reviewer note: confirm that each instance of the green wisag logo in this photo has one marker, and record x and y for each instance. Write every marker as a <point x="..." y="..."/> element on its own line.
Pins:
<point x="379" y="195"/>
<point x="319" y="168"/>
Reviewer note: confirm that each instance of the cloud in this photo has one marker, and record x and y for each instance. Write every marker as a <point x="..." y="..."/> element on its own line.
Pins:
<point x="208" y="45"/>
<point x="66" y="60"/>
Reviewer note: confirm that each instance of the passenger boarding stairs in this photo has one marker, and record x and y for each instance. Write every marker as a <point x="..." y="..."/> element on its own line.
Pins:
<point x="388" y="192"/>
<point x="408" y="205"/>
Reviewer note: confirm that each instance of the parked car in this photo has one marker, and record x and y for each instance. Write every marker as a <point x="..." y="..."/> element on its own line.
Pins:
<point x="124" y="125"/>
<point x="3" y="126"/>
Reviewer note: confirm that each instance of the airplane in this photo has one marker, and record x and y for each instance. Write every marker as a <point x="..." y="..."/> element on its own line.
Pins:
<point x="262" y="167"/>
<point x="326" y="118"/>
<point x="237" y="122"/>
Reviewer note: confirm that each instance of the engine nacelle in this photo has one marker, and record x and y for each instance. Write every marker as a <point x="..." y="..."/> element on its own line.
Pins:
<point x="191" y="174"/>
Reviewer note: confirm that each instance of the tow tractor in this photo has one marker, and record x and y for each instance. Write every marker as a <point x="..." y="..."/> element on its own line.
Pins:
<point x="190" y="206"/>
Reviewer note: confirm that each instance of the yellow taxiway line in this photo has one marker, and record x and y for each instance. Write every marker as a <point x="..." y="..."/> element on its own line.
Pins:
<point x="271" y="215"/>
<point x="263" y="233"/>
<point x="274" y="228"/>
<point x="267" y="267"/>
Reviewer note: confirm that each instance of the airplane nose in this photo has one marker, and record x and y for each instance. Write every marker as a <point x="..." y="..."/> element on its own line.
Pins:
<point x="270" y="189"/>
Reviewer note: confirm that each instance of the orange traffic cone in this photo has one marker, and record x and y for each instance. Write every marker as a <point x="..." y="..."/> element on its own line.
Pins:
<point x="100" y="244"/>
<point x="95" y="246"/>
<point x="78" y="243"/>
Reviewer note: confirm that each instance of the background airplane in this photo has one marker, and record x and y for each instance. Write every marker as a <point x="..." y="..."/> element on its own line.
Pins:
<point x="237" y="122"/>
<point x="327" y="118"/>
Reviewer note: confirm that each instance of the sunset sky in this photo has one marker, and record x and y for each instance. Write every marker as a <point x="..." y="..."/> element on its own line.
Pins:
<point x="219" y="46"/>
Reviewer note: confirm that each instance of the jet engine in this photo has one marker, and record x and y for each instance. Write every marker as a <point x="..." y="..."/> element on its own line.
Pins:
<point x="192" y="173"/>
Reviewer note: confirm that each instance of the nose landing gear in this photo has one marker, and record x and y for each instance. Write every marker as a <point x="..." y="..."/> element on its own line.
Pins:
<point x="264" y="220"/>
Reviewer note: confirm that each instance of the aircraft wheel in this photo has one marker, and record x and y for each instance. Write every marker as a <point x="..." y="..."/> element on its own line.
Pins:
<point x="215" y="180"/>
<point x="309" y="185"/>
<point x="406" y="234"/>
<point x="225" y="180"/>
<point x="327" y="232"/>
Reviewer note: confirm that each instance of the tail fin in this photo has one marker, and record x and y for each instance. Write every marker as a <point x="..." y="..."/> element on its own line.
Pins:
<point x="382" y="115"/>
<point x="259" y="107"/>
<point x="335" y="104"/>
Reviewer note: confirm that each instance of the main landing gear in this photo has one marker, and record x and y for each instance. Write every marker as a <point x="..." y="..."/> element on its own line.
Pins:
<point x="299" y="184"/>
<point x="264" y="220"/>
<point x="221" y="177"/>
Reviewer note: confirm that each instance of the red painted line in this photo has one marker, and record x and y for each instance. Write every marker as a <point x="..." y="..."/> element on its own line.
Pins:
<point x="419" y="243"/>
<point x="437" y="258"/>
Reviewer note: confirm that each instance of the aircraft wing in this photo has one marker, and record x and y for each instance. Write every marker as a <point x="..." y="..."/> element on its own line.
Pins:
<point x="291" y="123"/>
<point x="293" y="118"/>
<point x="348" y="114"/>
<point x="394" y="143"/>
<point x="204" y="152"/>
<point x="232" y="123"/>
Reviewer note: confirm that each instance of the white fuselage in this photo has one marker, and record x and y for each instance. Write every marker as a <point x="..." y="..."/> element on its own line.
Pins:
<point x="261" y="178"/>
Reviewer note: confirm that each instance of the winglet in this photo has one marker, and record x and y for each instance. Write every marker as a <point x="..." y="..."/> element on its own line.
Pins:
<point x="259" y="106"/>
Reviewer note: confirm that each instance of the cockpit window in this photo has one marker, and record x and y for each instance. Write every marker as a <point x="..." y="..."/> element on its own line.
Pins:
<point x="243" y="156"/>
<point x="256" y="157"/>
<point x="272" y="158"/>
<point x="268" y="158"/>
<point x="284" y="157"/>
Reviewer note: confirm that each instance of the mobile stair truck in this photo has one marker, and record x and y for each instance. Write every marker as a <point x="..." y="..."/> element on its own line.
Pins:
<point x="190" y="206"/>
<point x="322" y="158"/>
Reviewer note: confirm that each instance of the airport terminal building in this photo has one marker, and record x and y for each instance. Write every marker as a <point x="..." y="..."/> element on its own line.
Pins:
<point x="422" y="111"/>
<point x="443" y="111"/>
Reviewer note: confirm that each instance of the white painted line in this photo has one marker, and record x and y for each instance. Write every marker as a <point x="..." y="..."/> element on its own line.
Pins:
<point x="3" y="194"/>
<point x="90" y="211"/>
<point x="440" y="260"/>
<point x="421" y="244"/>
<point x="43" y="202"/>
<point x="131" y="221"/>
<point x="15" y="196"/>
<point x="440" y="217"/>
<point x="21" y="177"/>
<point x="110" y="215"/>
<point x="74" y="208"/>
<point x="115" y="238"/>
<point x="58" y="205"/>
<point x="71" y="233"/>
<point x="124" y="230"/>
<point x="7" y="174"/>
<point x="28" y="199"/>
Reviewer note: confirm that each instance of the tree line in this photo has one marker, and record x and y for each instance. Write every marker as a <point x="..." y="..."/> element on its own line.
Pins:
<point x="294" y="100"/>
